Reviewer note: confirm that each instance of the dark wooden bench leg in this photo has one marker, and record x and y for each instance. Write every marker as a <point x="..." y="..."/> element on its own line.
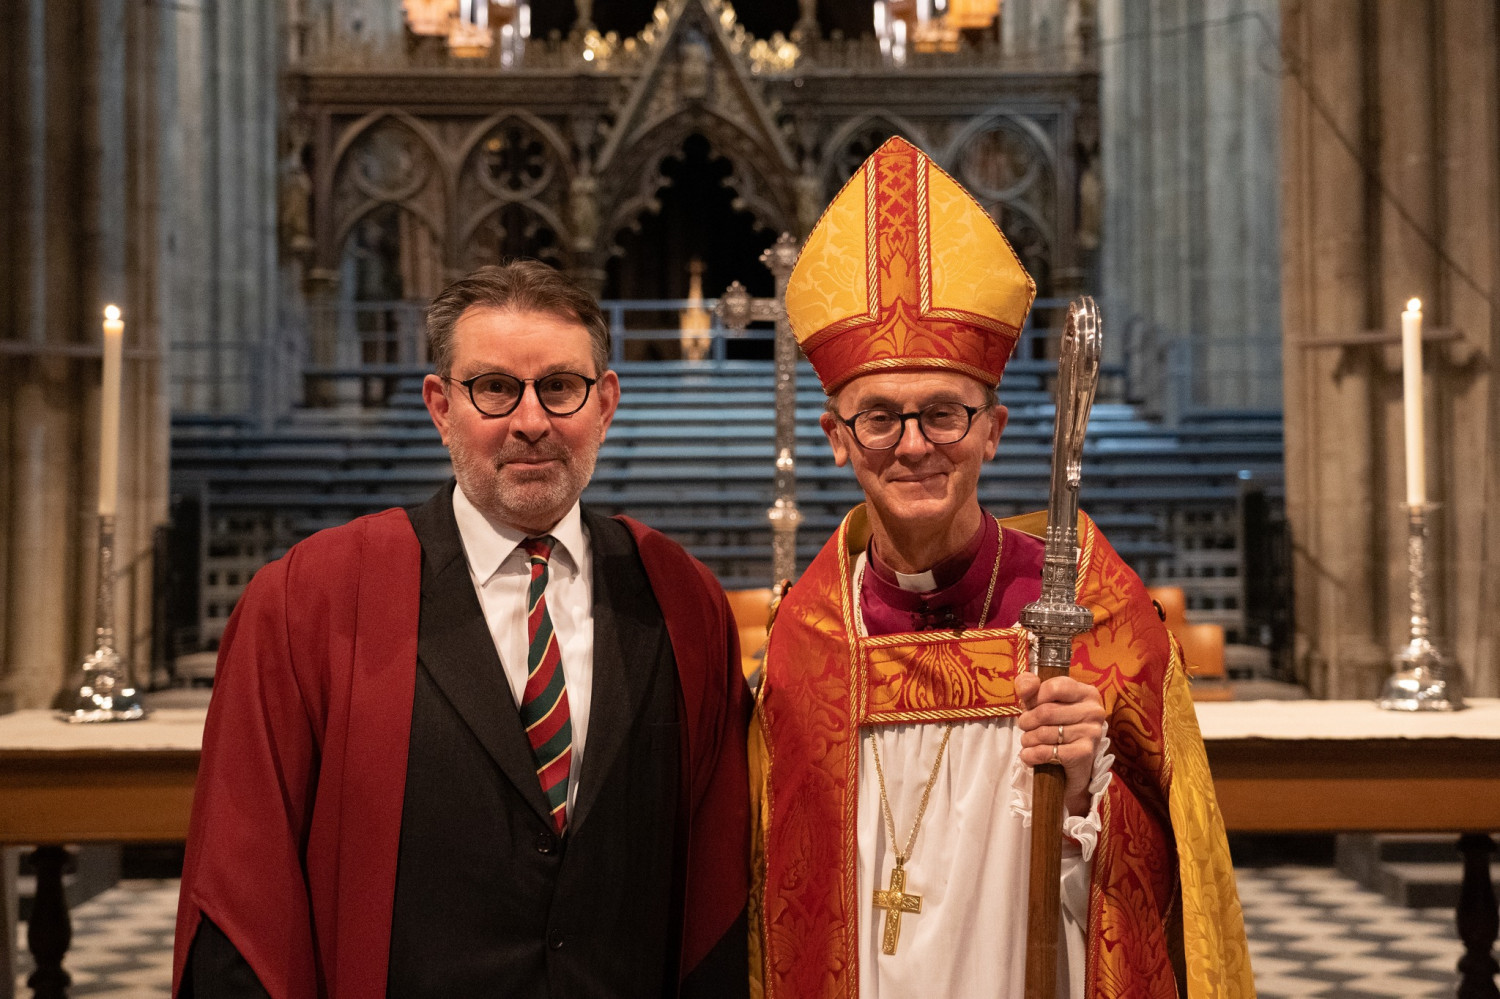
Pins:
<point x="1478" y="920"/>
<point x="50" y="931"/>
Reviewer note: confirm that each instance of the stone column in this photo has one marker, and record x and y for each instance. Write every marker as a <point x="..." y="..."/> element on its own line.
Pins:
<point x="79" y="168"/>
<point x="1391" y="180"/>
<point x="1188" y="104"/>
<point x="223" y="297"/>
<point x="42" y="509"/>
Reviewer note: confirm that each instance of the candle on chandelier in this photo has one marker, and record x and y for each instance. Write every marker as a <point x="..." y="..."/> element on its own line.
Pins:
<point x="1411" y="380"/>
<point x="109" y="413"/>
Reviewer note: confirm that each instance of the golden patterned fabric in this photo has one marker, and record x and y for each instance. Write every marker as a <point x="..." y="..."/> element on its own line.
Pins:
<point x="906" y="271"/>
<point x="936" y="677"/>
<point x="822" y="682"/>
<point x="1218" y="966"/>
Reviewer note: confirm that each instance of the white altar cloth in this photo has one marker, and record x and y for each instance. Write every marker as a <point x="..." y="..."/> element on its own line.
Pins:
<point x="1311" y="719"/>
<point x="163" y="729"/>
<point x="182" y="728"/>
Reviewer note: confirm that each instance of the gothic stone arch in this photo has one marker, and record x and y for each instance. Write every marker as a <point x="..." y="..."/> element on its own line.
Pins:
<point x="579" y="142"/>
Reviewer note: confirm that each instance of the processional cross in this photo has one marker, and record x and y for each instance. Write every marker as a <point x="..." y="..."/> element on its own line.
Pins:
<point x="894" y="900"/>
<point x="738" y="310"/>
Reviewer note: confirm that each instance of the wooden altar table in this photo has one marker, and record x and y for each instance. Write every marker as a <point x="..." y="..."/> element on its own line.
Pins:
<point x="1279" y="766"/>
<point x="121" y="782"/>
<point x="1347" y="766"/>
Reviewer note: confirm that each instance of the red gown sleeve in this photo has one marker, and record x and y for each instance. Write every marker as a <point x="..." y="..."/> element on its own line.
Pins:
<point x="251" y="808"/>
<point x="716" y="705"/>
<point x="306" y="739"/>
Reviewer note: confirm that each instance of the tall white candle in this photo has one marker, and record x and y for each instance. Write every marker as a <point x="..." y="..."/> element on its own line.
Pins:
<point x="109" y="413"/>
<point x="1411" y="379"/>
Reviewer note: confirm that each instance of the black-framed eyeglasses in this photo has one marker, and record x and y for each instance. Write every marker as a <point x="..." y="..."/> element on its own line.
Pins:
<point x="940" y="423"/>
<point x="494" y="393"/>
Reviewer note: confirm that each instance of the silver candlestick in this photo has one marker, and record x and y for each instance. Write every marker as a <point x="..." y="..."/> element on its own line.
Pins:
<point x="106" y="693"/>
<point x="1424" y="678"/>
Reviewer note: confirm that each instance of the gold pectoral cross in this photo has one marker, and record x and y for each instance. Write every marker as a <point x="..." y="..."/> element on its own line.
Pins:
<point x="895" y="901"/>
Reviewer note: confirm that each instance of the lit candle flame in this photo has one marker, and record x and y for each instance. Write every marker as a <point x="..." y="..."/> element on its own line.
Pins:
<point x="112" y="313"/>
<point x="1414" y="305"/>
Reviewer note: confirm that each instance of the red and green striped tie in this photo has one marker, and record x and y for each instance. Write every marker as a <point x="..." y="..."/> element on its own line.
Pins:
<point x="544" y="707"/>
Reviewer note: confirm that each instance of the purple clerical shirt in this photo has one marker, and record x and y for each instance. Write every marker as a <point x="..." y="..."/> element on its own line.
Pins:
<point x="955" y="596"/>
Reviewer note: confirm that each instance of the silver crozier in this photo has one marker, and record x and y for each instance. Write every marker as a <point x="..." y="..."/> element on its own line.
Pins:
<point x="1056" y="619"/>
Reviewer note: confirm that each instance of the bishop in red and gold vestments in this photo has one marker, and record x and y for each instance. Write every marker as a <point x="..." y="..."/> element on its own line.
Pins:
<point x="898" y="722"/>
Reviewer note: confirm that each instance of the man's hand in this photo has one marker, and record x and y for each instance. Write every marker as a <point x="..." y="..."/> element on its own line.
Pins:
<point x="1065" y="715"/>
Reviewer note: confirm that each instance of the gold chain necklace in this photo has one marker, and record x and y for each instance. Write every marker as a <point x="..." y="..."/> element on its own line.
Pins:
<point x="984" y="614"/>
<point x="894" y="900"/>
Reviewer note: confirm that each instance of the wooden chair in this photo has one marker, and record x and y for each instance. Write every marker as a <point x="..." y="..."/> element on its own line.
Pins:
<point x="752" y="616"/>
<point x="1203" y="653"/>
<point x="1173" y="603"/>
<point x="1202" y="645"/>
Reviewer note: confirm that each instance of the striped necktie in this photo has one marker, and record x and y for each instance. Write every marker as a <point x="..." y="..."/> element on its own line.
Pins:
<point x="544" y="707"/>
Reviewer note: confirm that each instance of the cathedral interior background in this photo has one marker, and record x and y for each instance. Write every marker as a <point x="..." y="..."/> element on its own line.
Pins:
<point x="1252" y="190"/>
<point x="274" y="191"/>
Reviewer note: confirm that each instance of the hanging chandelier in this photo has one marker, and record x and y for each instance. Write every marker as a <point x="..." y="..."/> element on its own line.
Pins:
<point x="928" y="25"/>
<point x="472" y="28"/>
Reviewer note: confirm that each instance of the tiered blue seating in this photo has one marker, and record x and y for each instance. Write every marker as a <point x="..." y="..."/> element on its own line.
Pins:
<point x="691" y="452"/>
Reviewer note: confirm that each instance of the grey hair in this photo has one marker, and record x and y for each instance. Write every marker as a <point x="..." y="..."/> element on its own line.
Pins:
<point x="519" y="285"/>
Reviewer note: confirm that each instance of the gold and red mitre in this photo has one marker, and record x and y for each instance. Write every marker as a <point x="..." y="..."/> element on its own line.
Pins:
<point x="905" y="271"/>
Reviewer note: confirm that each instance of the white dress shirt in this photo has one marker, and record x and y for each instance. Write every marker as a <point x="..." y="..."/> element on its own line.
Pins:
<point x="502" y="575"/>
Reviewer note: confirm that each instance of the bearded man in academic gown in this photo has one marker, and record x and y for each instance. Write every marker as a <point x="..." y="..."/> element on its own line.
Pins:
<point x="491" y="745"/>
<point x="898" y="722"/>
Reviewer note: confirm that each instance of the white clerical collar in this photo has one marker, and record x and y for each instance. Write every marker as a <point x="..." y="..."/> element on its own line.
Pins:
<point x="488" y="543"/>
<point x="916" y="582"/>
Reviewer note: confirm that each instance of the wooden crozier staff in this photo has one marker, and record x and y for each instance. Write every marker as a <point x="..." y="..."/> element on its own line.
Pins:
<point x="1056" y="619"/>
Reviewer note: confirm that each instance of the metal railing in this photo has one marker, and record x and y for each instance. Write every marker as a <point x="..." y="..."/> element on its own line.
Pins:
<point x="354" y="353"/>
<point x="374" y="344"/>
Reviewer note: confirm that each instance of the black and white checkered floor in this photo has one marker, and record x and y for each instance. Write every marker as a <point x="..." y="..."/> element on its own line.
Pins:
<point x="122" y="943"/>
<point x="1312" y="933"/>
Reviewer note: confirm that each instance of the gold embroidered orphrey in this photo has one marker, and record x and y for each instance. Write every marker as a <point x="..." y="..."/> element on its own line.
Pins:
<point x="894" y="899"/>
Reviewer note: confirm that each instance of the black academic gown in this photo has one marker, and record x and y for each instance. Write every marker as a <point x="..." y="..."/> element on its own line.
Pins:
<point x="488" y="900"/>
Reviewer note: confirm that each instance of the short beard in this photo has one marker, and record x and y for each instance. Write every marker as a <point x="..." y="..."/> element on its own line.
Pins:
<point x="534" y="504"/>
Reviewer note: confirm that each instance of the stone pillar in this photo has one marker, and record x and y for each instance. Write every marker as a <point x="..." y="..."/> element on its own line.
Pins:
<point x="321" y="290"/>
<point x="46" y="523"/>
<point x="1391" y="181"/>
<point x="78" y="176"/>
<point x="223" y="297"/>
<point x="1188" y="105"/>
<point x="1033" y="32"/>
<point x="41" y="506"/>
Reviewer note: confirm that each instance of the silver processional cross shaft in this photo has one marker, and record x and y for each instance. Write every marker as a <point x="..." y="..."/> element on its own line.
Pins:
<point x="737" y="310"/>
